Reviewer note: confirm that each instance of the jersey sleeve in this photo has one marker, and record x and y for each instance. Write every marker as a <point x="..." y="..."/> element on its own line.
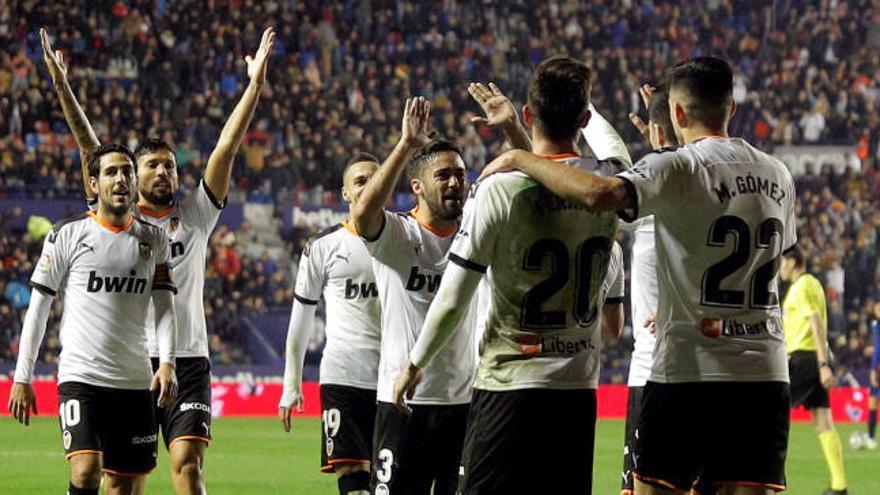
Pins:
<point x="162" y="279"/>
<point x="653" y="183"/>
<point x="310" y="274"/>
<point x="484" y="214"/>
<point x="201" y="208"/>
<point x="52" y="268"/>
<point x="790" y="223"/>
<point x="614" y="283"/>
<point x="391" y="242"/>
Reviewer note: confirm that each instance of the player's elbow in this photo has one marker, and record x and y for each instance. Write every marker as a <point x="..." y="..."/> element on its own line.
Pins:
<point x="603" y="194"/>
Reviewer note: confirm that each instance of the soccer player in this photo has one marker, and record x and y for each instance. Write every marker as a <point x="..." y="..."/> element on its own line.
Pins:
<point x="532" y="422"/>
<point x="723" y="214"/>
<point x="412" y="452"/>
<point x="108" y="266"/>
<point x="806" y="342"/>
<point x="336" y="264"/>
<point x="874" y="398"/>
<point x="186" y="426"/>
<point x="643" y="279"/>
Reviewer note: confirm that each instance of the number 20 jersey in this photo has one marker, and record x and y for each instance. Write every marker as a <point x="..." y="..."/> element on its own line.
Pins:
<point x="546" y="260"/>
<point x="723" y="215"/>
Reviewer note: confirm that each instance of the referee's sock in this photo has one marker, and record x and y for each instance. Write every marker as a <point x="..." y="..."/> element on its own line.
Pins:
<point x="357" y="483"/>
<point x="72" y="490"/>
<point x="830" y="441"/>
<point x="872" y="423"/>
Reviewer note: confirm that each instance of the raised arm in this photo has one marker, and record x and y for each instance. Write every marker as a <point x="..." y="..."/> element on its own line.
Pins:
<point x="302" y="323"/>
<point x="604" y="140"/>
<point x="368" y="213"/>
<point x="83" y="134"/>
<point x="574" y="184"/>
<point x="219" y="168"/>
<point x="500" y="114"/>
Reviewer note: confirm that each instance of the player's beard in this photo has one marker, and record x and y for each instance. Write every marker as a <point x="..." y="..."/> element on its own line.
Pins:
<point x="157" y="199"/>
<point x="440" y="209"/>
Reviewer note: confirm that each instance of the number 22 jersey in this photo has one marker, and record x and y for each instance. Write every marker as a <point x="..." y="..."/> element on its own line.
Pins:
<point x="723" y="215"/>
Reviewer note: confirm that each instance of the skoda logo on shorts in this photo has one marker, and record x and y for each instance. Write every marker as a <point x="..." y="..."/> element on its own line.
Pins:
<point x="328" y="446"/>
<point x="67" y="438"/>
<point x="382" y="489"/>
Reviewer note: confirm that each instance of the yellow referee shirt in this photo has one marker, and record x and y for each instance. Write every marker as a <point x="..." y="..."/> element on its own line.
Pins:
<point x="805" y="298"/>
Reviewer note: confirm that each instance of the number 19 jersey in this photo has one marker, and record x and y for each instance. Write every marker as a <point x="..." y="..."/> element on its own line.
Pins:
<point x="723" y="215"/>
<point x="546" y="260"/>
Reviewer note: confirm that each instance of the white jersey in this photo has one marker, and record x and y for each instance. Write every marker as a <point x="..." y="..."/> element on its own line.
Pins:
<point x="408" y="262"/>
<point x="337" y="265"/>
<point x="723" y="214"/>
<point x="547" y="261"/>
<point x="643" y="299"/>
<point x="106" y="275"/>
<point x="188" y="225"/>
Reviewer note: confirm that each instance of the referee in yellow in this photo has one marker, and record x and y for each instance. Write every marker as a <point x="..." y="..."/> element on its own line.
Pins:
<point x="806" y="342"/>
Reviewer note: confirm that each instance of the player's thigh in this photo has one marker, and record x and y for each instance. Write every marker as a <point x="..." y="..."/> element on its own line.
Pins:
<point x="123" y="484"/>
<point x="187" y="453"/>
<point x="389" y="461"/>
<point x="189" y="416"/>
<point x="85" y="470"/>
<point x="130" y="435"/>
<point x="671" y="433"/>
<point x="81" y="413"/>
<point x="506" y="430"/>
<point x="751" y="424"/>
<point x="348" y="417"/>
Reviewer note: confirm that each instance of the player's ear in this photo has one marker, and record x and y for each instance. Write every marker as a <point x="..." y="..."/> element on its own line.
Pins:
<point x="93" y="186"/>
<point x="528" y="118"/>
<point x="345" y="194"/>
<point x="732" y="109"/>
<point x="658" y="137"/>
<point x="416" y="185"/>
<point x="679" y="115"/>
<point x="586" y="119"/>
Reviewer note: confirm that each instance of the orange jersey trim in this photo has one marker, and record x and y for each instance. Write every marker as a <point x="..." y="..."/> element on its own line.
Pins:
<point x="439" y="233"/>
<point x="189" y="438"/>
<point x="772" y="486"/>
<point x="78" y="452"/>
<point x="656" y="481"/>
<point x="561" y="156"/>
<point x="122" y="473"/>
<point x="109" y="226"/>
<point x="349" y="227"/>
<point x="156" y="214"/>
<point x="331" y="465"/>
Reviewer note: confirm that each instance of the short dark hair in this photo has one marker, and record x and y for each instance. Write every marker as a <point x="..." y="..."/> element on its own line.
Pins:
<point x="104" y="149"/>
<point x="797" y="254"/>
<point x="359" y="158"/>
<point x="152" y="145"/>
<point x="708" y="83"/>
<point x="658" y="112"/>
<point x="559" y="96"/>
<point x="426" y="154"/>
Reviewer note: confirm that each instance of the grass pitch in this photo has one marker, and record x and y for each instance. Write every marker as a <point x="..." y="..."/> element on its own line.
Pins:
<point x="254" y="456"/>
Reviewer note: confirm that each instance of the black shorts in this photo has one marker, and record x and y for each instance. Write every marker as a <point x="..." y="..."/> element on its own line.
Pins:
<point x="412" y="453"/>
<point x="116" y="423"/>
<point x="348" y="415"/>
<point x="189" y="417"/>
<point x="530" y="441"/>
<point x="728" y="432"/>
<point x="806" y="389"/>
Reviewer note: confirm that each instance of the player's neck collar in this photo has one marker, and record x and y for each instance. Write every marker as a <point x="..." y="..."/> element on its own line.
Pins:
<point x="109" y="226"/>
<point x="439" y="233"/>
<point x="560" y="156"/>
<point x="349" y="227"/>
<point x="156" y="214"/>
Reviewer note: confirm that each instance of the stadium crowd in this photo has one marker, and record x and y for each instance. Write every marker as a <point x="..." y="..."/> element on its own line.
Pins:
<point x="806" y="75"/>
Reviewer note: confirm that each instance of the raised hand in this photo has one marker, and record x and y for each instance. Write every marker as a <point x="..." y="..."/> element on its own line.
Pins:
<point x="414" y="128"/>
<point x="256" y="65"/>
<point x="497" y="107"/>
<point x="646" y="91"/>
<point x="54" y="59"/>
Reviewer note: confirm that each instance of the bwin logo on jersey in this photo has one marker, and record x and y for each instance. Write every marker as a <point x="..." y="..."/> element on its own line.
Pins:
<point x="353" y="290"/>
<point x="129" y="285"/>
<point x="418" y="281"/>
